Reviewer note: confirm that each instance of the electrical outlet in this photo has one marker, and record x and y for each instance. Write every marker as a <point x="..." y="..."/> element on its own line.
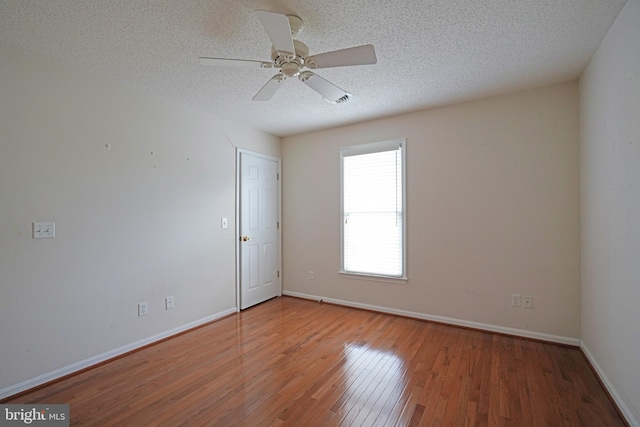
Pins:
<point x="527" y="301"/>
<point x="515" y="300"/>
<point x="168" y="303"/>
<point x="142" y="309"/>
<point x="312" y="275"/>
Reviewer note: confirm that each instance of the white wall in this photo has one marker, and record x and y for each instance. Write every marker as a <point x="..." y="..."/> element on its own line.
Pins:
<point x="610" y="207"/>
<point x="130" y="227"/>
<point x="493" y="209"/>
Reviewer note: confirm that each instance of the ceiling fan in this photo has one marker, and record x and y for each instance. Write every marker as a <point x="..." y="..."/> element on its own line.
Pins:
<point x="291" y="57"/>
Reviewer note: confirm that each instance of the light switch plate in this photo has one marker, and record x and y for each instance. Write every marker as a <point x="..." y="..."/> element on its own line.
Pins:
<point x="44" y="230"/>
<point x="224" y="223"/>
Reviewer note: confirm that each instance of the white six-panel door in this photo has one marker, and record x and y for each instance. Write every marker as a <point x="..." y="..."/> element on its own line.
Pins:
<point x="259" y="234"/>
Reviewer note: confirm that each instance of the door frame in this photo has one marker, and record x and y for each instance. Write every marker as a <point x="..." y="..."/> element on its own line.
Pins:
<point x="278" y="160"/>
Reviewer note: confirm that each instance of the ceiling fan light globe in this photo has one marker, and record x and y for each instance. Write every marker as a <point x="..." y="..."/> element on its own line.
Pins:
<point x="290" y="69"/>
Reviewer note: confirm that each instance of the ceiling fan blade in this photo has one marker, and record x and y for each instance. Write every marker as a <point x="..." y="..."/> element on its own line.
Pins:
<point x="270" y="88"/>
<point x="235" y="62"/>
<point x="329" y="91"/>
<point x="277" y="27"/>
<point x="360" y="55"/>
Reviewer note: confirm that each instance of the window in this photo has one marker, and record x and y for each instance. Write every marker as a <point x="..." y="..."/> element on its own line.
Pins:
<point x="373" y="209"/>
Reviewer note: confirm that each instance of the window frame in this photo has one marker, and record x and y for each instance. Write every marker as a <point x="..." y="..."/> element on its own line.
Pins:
<point x="369" y="148"/>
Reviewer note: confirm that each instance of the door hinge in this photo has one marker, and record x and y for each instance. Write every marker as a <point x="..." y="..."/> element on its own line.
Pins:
<point x="278" y="176"/>
<point x="278" y="225"/>
<point x="278" y="273"/>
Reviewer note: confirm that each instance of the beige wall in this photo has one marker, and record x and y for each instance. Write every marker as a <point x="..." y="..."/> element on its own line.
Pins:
<point x="130" y="227"/>
<point x="610" y="209"/>
<point x="492" y="210"/>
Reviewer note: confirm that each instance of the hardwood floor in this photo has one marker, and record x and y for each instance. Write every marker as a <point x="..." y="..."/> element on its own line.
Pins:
<point x="301" y="363"/>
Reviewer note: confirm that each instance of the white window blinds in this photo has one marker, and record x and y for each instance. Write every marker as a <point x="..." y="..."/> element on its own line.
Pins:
<point x="373" y="217"/>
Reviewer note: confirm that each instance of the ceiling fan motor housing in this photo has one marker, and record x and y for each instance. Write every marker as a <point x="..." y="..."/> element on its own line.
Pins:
<point x="295" y="24"/>
<point x="301" y="52"/>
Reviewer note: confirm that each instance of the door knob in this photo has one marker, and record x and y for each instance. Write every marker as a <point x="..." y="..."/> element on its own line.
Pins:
<point x="245" y="238"/>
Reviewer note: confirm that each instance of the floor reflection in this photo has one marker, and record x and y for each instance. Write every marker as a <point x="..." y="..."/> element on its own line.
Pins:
<point x="374" y="376"/>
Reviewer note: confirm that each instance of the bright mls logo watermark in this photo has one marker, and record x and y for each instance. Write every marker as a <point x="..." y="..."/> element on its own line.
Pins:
<point x="34" y="415"/>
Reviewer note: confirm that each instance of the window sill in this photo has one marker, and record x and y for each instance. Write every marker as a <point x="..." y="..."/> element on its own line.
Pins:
<point x="373" y="277"/>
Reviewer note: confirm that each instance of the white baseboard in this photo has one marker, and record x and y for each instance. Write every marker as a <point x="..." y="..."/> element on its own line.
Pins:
<point x="75" y="367"/>
<point x="448" y="320"/>
<point x="612" y="391"/>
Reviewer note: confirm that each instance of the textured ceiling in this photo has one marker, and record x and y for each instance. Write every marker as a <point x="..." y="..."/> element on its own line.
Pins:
<point x="430" y="52"/>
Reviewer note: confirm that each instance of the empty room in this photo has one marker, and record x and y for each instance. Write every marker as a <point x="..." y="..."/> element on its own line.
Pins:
<point x="265" y="213"/>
